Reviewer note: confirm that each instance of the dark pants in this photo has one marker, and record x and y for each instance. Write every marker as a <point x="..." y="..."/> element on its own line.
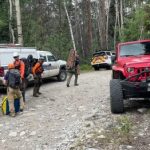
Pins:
<point x="37" y="84"/>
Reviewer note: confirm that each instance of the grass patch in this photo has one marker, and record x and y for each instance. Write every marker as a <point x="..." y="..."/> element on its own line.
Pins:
<point x="86" y="68"/>
<point x="122" y="131"/>
<point x="118" y="134"/>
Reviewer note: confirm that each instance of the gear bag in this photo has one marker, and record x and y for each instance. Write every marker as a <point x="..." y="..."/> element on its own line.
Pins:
<point x="27" y="67"/>
<point x="14" y="78"/>
<point x="5" y="105"/>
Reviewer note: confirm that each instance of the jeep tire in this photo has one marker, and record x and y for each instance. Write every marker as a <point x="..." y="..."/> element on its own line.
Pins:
<point x="116" y="96"/>
<point x="62" y="75"/>
<point x="96" y="68"/>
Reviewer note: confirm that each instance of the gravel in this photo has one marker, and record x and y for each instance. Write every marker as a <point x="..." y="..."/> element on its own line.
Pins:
<point x="62" y="115"/>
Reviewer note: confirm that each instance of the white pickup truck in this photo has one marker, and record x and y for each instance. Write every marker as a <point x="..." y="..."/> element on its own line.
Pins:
<point x="52" y="66"/>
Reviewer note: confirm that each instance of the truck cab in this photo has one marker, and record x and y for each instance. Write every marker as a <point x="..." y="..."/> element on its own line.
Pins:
<point x="52" y="66"/>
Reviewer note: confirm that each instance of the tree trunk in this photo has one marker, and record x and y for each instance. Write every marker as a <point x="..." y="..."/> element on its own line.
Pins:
<point x="102" y="22"/>
<point x="89" y="25"/>
<point x="19" y="25"/>
<point x="121" y="17"/>
<point x="107" y="23"/>
<point x="12" y="37"/>
<point x="70" y="26"/>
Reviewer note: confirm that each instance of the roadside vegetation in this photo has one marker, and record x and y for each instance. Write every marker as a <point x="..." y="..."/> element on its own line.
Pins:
<point x="119" y="133"/>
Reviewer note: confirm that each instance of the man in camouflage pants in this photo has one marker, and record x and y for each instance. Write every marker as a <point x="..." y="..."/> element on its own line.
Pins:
<point x="73" y="67"/>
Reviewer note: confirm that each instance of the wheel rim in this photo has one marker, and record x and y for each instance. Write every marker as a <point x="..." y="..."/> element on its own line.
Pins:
<point x="62" y="76"/>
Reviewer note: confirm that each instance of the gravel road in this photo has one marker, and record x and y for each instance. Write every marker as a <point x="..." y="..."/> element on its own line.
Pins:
<point x="62" y="116"/>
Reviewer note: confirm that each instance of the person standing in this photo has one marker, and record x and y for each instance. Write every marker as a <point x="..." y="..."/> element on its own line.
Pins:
<point x="73" y="67"/>
<point x="37" y="70"/>
<point x="19" y="64"/>
<point x="12" y="80"/>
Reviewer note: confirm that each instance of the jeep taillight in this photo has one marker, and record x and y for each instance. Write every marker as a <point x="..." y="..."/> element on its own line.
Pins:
<point x="1" y="71"/>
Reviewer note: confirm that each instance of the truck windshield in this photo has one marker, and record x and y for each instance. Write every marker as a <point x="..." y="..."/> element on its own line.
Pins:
<point x="135" y="49"/>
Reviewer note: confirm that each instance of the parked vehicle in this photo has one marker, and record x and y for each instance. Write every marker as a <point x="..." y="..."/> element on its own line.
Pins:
<point x="130" y="73"/>
<point x="52" y="66"/>
<point x="101" y="59"/>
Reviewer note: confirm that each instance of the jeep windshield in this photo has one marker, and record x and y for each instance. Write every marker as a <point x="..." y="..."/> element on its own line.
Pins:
<point x="135" y="49"/>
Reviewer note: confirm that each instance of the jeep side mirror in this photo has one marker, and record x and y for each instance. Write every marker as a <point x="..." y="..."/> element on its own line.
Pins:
<point x="113" y="58"/>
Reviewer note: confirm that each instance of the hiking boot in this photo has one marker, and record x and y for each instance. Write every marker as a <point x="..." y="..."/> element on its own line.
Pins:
<point x="76" y="84"/>
<point x="35" y="95"/>
<point x="21" y="109"/>
<point x="39" y="93"/>
<point x="12" y="114"/>
<point x="68" y="85"/>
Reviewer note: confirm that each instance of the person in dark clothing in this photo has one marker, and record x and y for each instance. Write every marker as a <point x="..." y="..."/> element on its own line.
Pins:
<point x="37" y="70"/>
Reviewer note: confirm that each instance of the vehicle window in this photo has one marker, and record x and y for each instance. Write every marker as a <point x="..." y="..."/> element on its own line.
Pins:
<point x="108" y="53"/>
<point x="142" y="48"/>
<point x="51" y="58"/>
<point x="99" y="54"/>
<point x="44" y="57"/>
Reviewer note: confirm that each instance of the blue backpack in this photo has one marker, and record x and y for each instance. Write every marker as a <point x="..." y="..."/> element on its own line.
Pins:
<point x="14" y="78"/>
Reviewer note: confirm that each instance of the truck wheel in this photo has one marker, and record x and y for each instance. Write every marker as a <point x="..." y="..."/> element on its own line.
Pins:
<point x="62" y="75"/>
<point x="96" y="68"/>
<point x="116" y="96"/>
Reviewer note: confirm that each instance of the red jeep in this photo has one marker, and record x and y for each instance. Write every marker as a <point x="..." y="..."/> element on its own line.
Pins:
<point x="130" y="73"/>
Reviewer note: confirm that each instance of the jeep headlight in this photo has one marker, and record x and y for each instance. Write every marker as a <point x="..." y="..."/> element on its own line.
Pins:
<point x="130" y="70"/>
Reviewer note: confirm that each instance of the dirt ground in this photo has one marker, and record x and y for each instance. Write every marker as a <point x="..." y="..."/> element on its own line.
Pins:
<point x="63" y="118"/>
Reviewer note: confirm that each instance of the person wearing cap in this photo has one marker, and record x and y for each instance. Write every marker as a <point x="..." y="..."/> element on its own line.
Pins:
<point x="37" y="70"/>
<point x="13" y="91"/>
<point x="19" y="64"/>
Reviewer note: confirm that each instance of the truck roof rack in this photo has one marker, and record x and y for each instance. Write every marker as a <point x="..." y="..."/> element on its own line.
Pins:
<point x="10" y="45"/>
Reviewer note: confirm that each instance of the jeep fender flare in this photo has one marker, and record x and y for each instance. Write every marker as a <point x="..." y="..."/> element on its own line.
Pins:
<point x="118" y="71"/>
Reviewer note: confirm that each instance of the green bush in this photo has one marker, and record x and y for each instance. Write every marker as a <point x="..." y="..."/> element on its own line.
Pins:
<point x="85" y="67"/>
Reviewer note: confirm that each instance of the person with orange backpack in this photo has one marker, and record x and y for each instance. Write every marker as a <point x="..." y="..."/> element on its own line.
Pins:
<point x="37" y="70"/>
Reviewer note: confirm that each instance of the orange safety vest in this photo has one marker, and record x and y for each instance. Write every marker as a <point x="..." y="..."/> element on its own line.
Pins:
<point x="20" y="66"/>
<point x="37" y="69"/>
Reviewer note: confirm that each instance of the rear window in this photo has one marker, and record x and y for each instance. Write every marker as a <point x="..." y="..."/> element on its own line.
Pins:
<point x="99" y="54"/>
<point x="108" y="53"/>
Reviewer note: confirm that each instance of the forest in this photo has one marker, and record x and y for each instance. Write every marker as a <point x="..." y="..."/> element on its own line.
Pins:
<point x="87" y="25"/>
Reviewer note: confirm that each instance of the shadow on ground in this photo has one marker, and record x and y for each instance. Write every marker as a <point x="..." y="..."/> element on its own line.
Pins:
<point x="134" y="105"/>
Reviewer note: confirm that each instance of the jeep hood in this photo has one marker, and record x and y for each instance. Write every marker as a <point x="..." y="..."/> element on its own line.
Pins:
<point x="135" y="61"/>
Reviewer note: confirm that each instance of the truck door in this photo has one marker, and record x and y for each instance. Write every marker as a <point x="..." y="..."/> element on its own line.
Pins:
<point x="54" y="66"/>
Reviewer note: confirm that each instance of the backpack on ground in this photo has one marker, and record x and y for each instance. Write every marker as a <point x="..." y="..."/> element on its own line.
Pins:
<point x="14" y="78"/>
<point x="5" y="105"/>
